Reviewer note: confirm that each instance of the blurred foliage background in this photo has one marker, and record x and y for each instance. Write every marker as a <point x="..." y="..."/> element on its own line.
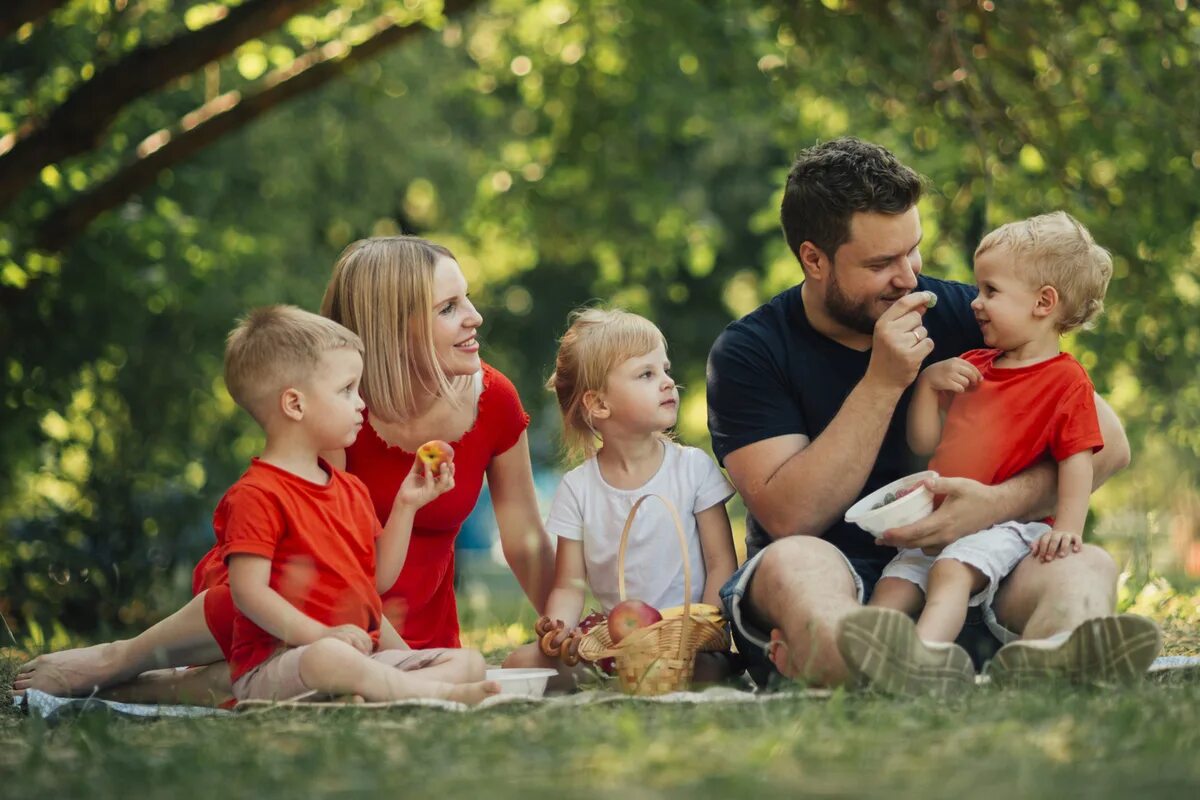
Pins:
<point x="167" y="164"/>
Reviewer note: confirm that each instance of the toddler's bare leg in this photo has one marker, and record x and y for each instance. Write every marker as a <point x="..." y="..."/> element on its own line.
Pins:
<point x="951" y="584"/>
<point x="898" y="594"/>
<point x="331" y="666"/>
<point x="180" y="640"/>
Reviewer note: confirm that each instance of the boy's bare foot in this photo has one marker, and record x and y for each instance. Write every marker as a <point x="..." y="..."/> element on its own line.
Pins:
<point x="473" y="693"/>
<point x="67" y="673"/>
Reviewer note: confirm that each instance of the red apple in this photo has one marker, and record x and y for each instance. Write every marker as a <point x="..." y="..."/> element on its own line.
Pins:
<point x="434" y="454"/>
<point x="629" y="615"/>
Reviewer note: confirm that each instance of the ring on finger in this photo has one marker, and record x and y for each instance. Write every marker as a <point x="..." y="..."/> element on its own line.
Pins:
<point x="917" y="335"/>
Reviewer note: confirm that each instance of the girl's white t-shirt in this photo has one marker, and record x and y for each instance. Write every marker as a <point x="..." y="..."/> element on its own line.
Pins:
<point x="587" y="508"/>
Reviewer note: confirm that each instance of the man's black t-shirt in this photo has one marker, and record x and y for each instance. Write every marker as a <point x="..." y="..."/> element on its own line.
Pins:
<point x="771" y="374"/>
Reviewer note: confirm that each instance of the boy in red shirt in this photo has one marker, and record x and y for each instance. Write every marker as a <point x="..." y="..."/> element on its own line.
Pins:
<point x="299" y="535"/>
<point x="987" y="416"/>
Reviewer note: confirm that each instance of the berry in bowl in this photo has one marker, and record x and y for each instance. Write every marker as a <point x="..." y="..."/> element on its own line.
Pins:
<point x="901" y="502"/>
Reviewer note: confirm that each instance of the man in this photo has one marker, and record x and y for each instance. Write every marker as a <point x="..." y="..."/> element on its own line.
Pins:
<point x="808" y="397"/>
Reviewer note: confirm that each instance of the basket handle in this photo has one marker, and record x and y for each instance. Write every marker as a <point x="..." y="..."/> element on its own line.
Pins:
<point x="687" y="567"/>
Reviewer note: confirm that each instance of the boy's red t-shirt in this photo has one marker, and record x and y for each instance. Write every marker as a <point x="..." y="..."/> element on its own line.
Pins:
<point x="1016" y="417"/>
<point x="320" y="540"/>
<point x="421" y="603"/>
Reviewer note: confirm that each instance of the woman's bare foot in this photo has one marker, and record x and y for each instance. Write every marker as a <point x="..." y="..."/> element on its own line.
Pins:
<point x="473" y="693"/>
<point x="80" y="671"/>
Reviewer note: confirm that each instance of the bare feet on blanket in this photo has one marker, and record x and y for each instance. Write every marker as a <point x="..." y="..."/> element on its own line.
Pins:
<point x="472" y="693"/>
<point x="66" y="673"/>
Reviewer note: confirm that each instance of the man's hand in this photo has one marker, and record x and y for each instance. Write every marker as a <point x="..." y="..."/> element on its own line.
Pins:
<point x="1056" y="544"/>
<point x="952" y="375"/>
<point x="900" y="342"/>
<point x="966" y="508"/>
<point x="352" y="635"/>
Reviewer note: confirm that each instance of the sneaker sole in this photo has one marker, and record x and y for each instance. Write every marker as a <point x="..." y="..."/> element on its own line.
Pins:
<point x="882" y="651"/>
<point x="1116" y="649"/>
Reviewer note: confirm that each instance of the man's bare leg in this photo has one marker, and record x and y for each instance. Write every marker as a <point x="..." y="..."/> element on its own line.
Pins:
<point x="1063" y="610"/>
<point x="180" y="640"/>
<point x="1038" y="600"/>
<point x="803" y="589"/>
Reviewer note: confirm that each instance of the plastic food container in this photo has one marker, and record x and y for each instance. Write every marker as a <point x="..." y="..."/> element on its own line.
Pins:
<point x="524" y="682"/>
<point x="914" y="506"/>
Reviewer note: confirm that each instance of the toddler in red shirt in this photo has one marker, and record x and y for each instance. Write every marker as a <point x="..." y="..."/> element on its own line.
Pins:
<point x="299" y="535"/>
<point x="993" y="413"/>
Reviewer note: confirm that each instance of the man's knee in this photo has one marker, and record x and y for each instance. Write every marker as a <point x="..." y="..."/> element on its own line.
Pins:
<point x="793" y="567"/>
<point x="798" y="554"/>
<point x="1096" y="560"/>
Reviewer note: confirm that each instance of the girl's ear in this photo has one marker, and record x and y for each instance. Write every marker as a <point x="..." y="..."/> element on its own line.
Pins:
<point x="291" y="402"/>
<point x="594" y="405"/>
<point x="813" y="260"/>
<point x="1047" y="302"/>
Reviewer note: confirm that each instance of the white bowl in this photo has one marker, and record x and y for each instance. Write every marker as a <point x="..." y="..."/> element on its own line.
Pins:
<point x="905" y="511"/>
<point x="524" y="682"/>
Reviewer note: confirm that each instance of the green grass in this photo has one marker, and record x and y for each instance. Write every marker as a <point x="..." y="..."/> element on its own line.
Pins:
<point x="1053" y="741"/>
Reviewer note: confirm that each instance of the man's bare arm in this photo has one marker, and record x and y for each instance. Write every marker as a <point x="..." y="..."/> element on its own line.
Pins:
<point x="797" y="486"/>
<point x="794" y="486"/>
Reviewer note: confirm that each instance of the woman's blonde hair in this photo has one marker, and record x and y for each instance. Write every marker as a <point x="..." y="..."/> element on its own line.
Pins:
<point x="597" y="340"/>
<point x="382" y="289"/>
<point x="1056" y="250"/>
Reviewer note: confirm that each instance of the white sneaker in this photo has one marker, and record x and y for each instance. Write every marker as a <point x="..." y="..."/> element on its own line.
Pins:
<point x="1114" y="649"/>
<point x="883" y="652"/>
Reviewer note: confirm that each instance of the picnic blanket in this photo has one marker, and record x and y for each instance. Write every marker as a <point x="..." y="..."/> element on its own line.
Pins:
<point x="57" y="709"/>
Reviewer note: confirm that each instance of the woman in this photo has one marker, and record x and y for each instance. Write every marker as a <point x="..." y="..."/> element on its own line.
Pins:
<point x="422" y="380"/>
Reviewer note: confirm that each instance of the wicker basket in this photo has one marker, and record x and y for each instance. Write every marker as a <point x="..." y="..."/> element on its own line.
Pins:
<point x="658" y="658"/>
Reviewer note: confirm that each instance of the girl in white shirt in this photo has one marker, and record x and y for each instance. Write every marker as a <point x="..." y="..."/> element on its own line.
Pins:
<point x="613" y="381"/>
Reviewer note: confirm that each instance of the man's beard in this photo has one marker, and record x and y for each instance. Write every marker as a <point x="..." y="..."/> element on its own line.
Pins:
<point x="855" y="316"/>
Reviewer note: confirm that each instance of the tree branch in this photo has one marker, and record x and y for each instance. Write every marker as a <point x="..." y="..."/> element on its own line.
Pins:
<point x="76" y="125"/>
<point x="15" y="13"/>
<point x="212" y="121"/>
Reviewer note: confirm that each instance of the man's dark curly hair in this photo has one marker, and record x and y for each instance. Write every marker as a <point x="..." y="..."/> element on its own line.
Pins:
<point x="830" y="182"/>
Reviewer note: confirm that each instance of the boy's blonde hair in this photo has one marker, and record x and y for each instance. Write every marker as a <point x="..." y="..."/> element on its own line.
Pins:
<point x="597" y="340"/>
<point x="1057" y="250"/>
<point x="382" y="289"/>
<point x="276" y="347"/>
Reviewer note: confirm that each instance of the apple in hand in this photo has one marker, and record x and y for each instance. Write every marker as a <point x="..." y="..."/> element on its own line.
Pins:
<point x="434" y="454"/>
<point x="629" y="615"/>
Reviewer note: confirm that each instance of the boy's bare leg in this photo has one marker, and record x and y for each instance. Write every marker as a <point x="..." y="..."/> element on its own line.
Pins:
<point x="529" y="656"/>
<point x="951" y="585"/>
<point x="803" y="589"/>
<point x="331" y="666"/>
<point x="898" y="594"/>
<point x="179" y="640"/>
